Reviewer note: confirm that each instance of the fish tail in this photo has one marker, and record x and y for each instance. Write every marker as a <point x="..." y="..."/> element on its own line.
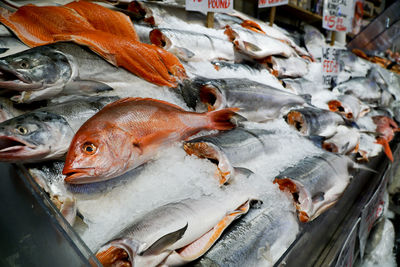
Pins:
<point x="221" y="119"/>
<point x="386" y="147"/>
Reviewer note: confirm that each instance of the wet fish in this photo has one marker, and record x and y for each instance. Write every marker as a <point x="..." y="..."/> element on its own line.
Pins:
<point x="8" y="110"/>
<point x="192" y="46"/>
<point x="315" y="183"/>
<point x="175" y="233"/>
<point x="60" y="69"/>
<point x="292" y="67"/>
<point x="48" y="176"/>
<point x="368" y="147"/>
<point x="45" y="133"/>
<point x="257" y="102"/>
<point x="256" y="45"/>
<point x="137" y="128"/>
<point x="302" y="86"/>
<point x="349" y="106"/>
<point x="346" y="140"/>
<point x="365" y="89"/>
<point x="312" y="121"/>
<point x="386" y="128"/>
<point x="231" y="150"/>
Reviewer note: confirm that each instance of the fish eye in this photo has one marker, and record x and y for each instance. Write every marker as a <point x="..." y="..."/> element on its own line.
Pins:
<point x="24" y="64"/>
<point x="89" y="148"/>
<point x="22" y="130"/>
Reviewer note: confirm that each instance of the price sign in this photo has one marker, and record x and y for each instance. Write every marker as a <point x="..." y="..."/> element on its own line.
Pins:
<point x="346" y="255"/>
<point x="209" y="5"/>
<point x="330" y="65"/>
<point x="270" y="3"/>
<point x="338" y="15"/>
<point x="372" y="211"/>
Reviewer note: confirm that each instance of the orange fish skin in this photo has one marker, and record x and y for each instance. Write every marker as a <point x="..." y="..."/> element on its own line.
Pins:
<point x="386" y="127"/>
<point x="144" y="60"/>
<point x="104" y="19"/>
<point x="129" y="132"/>
<point x="36" y="25"/>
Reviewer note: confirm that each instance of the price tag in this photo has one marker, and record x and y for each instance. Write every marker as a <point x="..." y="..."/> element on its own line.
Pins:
<point x="330" y="65"/>
<point x="372" y="211"/>
<point x="346" y="255"/>
<point x="209" y="5"/>
<point x="270" y="3"/>
<point x="338" y="15"/>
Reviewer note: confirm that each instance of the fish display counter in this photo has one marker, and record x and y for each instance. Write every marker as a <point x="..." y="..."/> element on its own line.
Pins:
<point x="154" y="140"/>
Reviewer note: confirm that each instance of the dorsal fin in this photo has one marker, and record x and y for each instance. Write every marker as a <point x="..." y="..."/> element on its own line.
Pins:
<point x="129" y="99"/>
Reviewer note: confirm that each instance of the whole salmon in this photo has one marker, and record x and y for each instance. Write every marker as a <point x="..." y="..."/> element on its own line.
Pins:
<point x="129" y="132"/>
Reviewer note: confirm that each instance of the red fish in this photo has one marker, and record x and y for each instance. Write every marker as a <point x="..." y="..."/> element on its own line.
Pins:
<point x="386" y="127"/>
<point x="129" y="132"/>
<point x="147" y="61"/>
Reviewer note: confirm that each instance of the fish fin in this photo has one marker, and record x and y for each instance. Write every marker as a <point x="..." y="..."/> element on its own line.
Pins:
<point x="307" y="98"/>
<point x="79" y="87"/>
<point x="185" y="53"/>
<point x="243" y="171"/>
<point x="356" y="165"/>
<point x="153" y="139"/>
<point x="129" y="99"/>
<point x="165" y="241"/>
<point x="251" y="47"/>
<point x="386" y="147"/>
<point x="221" y="119"/>
<point x="317" y="140"/>
<point x="3" y="50"/>
<point x="68" y="210"/>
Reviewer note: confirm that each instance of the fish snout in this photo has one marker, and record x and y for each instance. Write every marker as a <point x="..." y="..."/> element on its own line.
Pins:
<point x="13" y="144"/>
<point x="78" y="175"/>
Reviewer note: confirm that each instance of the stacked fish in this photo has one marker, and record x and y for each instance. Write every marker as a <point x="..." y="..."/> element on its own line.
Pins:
<point x="157" y="174"/>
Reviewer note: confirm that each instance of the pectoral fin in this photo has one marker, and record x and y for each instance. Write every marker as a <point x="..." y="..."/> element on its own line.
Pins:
<point x="185" y="53"/>
<point x="86" y="87"/>
<point x="164" y="242"/>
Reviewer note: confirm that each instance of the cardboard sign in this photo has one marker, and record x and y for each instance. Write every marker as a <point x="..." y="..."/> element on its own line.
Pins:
<point x="330" y="65"/>
<point x="346" y="255"/>
<point x="209" y="5"/>
<point x="270" y="3"/>
<point x="372" y="211"/>
<point x="338" y="15"/>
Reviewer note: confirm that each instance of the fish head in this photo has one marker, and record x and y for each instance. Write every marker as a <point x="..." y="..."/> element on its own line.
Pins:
<point x="35" y="69"/>
<point x="34" y="136"/>
<point x="97" y="153"/>
<point x="211" y="95"/>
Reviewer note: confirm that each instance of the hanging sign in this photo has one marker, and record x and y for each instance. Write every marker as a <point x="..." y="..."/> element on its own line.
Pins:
<point x="330" y="65"/>
<point x="338" y="15"/>
<point x="209" y="5"/>
<point x="270" y="3"/>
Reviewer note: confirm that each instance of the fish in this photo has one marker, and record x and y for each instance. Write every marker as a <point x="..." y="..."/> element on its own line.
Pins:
<point x="385" y="127"/>
<point x="302" y="86"/>
<point x="313" y="40"/>
<point x="149" y="62"/>
<point x="311" y="121"/>
<point x="48" y="177"/>
<point x="35" y="25"/>
<point x="365" y="89"/>
<point x="8" y="110"/>
<point x="105" y="19"/>
<point x="175" y="233"/>
<point x="368" y="148"/>
<point x="354" y="65"/>
<point x="346" y="140"/>
<point x="349" y="106"/>
<point x="143" y="32"/>
<point x="232" y="149"/>
<point x="10" y="45"/>
<point x="292" y="67"/>
<point x="45" y="133"/>
<point x="192" y="46"/>
<point x="256" y="102"/>
<point x="137" y="128"/>
<point x="47" y="71"/>
<point x="256" y="45"/>
<point x="315" y="183"/>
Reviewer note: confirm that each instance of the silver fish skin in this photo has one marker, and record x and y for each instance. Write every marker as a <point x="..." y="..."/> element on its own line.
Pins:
<point x="192" y="46"/>
<point x="258" y="239"/>
<point x="345" y="141"/>
<point x="354" y="65"/>
<point x="292" y="67"/>
<point x="311" y="121"/>
<point x="11" y="45"/>
<point x="314" y="40"/>
<point x="61" y="68"/>
<point x="302" y="86"/>
<point x="368" y="148"/>
<point x="232" y="149"/>
<point x="256" y="45"/>
<point x="45" y="133"/>
<point x="143" y="32"/>
<point x="49" y="177"/>
<point x="316" y="183"/>
<point x="257" y="102"/>
<point x="349" y="106"/>
<point x="365" y="89"/>
<point x="157" y="235"/>
<point x="8" y="110"/>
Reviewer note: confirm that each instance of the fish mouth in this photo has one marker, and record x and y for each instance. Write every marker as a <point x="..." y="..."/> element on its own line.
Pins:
<point x="9" y="144"/>
<point x="210" y="96"/>
<point x="79" y="175"/>
<point x="296" y="120"/>
<point x="13" y="80"/>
